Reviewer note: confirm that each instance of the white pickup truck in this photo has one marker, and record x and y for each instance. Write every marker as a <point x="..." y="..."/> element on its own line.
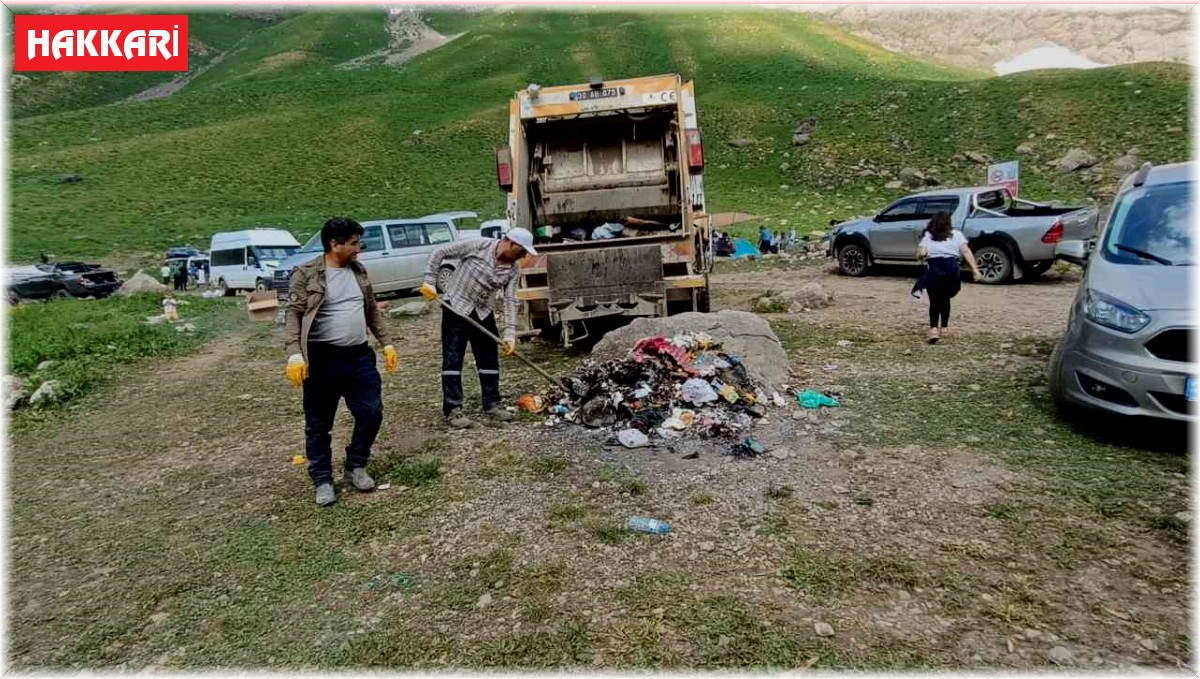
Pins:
<point x="1012" y="239"/>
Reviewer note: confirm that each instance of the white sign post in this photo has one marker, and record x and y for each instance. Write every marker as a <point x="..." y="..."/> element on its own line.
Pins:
<point x="1007" y="175"/>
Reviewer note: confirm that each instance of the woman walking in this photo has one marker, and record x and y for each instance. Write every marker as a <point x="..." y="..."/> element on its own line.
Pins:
<point x="943" y="250"/>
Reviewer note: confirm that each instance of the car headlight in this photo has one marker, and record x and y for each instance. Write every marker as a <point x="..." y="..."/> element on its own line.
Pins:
<point x="1111" y="313"/>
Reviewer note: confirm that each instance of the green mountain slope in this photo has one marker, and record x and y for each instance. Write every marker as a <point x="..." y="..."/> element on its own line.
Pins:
<point x="275" y="134"/>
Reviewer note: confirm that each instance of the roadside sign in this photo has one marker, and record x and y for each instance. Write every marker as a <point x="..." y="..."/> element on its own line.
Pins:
<point x="1005" y="174"/>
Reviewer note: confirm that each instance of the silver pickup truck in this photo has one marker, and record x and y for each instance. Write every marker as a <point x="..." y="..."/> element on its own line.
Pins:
<point x="1012" y="239"/>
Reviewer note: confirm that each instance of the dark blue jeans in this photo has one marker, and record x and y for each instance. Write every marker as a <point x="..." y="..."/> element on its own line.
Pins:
<point x="336" y="373"/>
<point x="456" y="334"/>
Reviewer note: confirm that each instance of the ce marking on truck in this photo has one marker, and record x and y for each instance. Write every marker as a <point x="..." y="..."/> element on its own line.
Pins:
<point x="664" y="97"/>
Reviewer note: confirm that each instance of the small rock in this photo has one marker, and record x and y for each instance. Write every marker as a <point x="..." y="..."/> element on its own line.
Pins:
<point x="48" y="392"/>
<point x="797" y="414"/>
<point x="159" y="617"/>
<point x="1174" y="130"/>
<point x="410" y="309"/>
<point x="977" y="157"/>
<point x="1030" y="634"/>
<point x="1149" y="644"/>
<point x="595" y="484"/>
<point x="904" y="595"/>
<point x="974" y="387"/>
<point x="69" y="179"/>
<point x="892" y="185"/>
<point x="484" y="601"/>
<point x="779" y="453"/>
<point x="707" y="546"/>
<point x="912" y="178"/>
<point x="740" y="142"/>
<point x="988" y="598"/>
<point x="498" y="584"/>
<point x="1061" y="656"/>
<point x="1075" y="159"/>
<point x="14" y="391"/>
<point x="823" y="629"/>
<point x="1185" y="517"/>
<point x="801" y="138"/>
<point x="848" y="456"/>
<point x="1025" y="148"/>
<point x="45" y="365"/>
<point x="845" y="343"/>
<point x="812" y="295"/>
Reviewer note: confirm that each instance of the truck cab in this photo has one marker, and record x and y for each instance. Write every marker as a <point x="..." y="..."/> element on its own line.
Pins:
<point x="608" y="175"/>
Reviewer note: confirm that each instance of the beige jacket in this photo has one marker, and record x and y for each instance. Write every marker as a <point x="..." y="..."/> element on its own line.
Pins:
<point x="307" y="293"/>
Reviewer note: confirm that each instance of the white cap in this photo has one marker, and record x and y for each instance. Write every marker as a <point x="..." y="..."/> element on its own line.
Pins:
<point x="521" y="237"/>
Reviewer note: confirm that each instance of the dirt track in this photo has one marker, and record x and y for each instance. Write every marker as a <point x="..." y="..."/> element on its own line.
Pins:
<point x="164" y="525"/>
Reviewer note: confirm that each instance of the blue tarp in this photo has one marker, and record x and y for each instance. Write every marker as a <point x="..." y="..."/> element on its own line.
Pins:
<point x="744" y="248"/>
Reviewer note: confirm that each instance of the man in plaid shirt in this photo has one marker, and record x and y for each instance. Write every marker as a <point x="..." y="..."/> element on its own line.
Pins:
<point x="485" y="266"/>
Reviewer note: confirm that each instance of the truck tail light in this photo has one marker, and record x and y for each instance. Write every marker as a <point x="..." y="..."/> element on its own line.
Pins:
<point x="504" y="172"/>
<point x="695" y="145"/>
<point x="1054" y="235"/>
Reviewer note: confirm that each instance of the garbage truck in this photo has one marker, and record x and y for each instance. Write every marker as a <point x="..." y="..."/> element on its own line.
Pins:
<point x="609" y="177"/>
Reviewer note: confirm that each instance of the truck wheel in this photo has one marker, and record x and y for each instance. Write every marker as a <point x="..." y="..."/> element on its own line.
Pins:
<point x="995" y="264"/>
<point x="443" y="278"/>
<point x="260" y="285"/>
<point x="853" y="260"/>
<point x="226" y="291"/>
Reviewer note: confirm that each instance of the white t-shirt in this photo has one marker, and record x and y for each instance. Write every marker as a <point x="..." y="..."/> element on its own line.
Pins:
<point x="951" y="247"/>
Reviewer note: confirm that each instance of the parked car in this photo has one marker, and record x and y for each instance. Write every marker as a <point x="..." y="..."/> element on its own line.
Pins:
<point x="493" y="228"/>
<point x="246" y="260"/>
<point x="394" y="252"/>
<point x="60" y="280"/>
<point x="181" y="252"/>
<point x="1127" y="348"/>
<point x="1011" y="238"/>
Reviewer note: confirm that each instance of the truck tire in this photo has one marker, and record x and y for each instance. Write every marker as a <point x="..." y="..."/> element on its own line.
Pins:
<point x="853" y="260"/>
<point x="260" y="285"/>
<point x="226" y="291"/>
<point x="443" y="278"/>
<point x="995" y="264"/>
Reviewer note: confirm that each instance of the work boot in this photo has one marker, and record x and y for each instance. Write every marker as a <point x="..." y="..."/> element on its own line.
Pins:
<point x="457" y="420"/>
<point x="499" y="414"/>
<point x="934" y="336"/>
<point x="325" y="494"/>
<point x="358" y="478"/>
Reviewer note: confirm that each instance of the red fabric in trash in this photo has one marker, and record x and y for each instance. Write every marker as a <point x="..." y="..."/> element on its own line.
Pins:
<point x="661" y="346"/>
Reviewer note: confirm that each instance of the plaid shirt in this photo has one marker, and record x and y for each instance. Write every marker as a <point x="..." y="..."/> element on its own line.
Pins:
<point x="476" y="280"/>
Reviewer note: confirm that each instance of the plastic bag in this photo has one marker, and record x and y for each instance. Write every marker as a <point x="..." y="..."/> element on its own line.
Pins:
<point x="698" y="392"/>
<point x="813" y="399"/>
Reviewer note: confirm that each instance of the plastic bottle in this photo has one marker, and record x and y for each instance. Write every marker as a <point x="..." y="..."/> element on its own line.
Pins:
<point x="642" y="524"/>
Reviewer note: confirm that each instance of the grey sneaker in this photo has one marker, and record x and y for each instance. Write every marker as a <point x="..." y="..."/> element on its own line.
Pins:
<point x="499" y="414"/>
<point x="358" y="478"/>
<point x="325" y="494"/>
<point x="457" y="420"/>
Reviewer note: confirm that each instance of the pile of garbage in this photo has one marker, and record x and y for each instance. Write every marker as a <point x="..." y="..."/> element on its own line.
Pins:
<point x="665" y="389"/>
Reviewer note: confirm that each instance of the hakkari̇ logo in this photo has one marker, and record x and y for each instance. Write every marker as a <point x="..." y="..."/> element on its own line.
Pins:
<point x="136" y="42"/>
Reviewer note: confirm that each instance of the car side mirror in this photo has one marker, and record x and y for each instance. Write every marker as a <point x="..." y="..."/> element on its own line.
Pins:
<point x="1073" y="251"/>
<point x="877" y="219"/>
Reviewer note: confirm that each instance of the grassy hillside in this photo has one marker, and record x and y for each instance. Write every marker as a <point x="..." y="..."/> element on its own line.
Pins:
<point x="274" y="134"/>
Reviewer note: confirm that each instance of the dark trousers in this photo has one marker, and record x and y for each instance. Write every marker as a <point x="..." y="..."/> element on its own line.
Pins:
<point x="939" y="309"/>
<point x="456" y="333"/>
<point x="336" y="373"/>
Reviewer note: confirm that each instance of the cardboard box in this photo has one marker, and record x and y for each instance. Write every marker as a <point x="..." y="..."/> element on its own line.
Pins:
<point x="262" y="306"/>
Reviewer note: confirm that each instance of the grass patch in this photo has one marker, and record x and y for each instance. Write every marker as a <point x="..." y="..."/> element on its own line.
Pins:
<point x="405" y="471"/>
<point x="825" y="577"/>
<point x="608" y="531"/>
<point x="546" y="466"/>
<point x="775" y="492"/>
<point x="91" y="342"/>
<point x="567" y="512"/>
<point x="701" y="498"/>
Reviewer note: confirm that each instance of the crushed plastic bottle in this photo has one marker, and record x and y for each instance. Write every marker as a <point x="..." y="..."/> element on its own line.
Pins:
<point x="642" y="524"/>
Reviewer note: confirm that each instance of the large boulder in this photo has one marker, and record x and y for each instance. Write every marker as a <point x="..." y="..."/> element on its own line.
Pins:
<point x="1129" y="162"/>
<point x="742" y="334"/>
<point x="1076" y="159"/>
<point x="47" y="392"/>
<point x="140" y="283"/>
<point x="14" y="391"/>
<point x="912" y="178"/>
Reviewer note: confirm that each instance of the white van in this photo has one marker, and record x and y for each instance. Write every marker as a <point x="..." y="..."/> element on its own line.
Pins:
<point x="246" y="260"/>
<point x="394" y="253"/>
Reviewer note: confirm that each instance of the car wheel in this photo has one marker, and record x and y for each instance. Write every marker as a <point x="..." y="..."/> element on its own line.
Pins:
<point x="62" y="294"/>
<point x="13" y="298"/>
<point x="995" y="264"/>
<point x="443" y="278"/>
<point x="260" y="285"/>
<point x="853" y="260"/>
<point x="1066" y="410"/>
<point x="226" y="291"/>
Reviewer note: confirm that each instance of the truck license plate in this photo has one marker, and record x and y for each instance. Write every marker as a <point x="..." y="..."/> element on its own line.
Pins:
<point x="1189" y="390"/>
<point x="603" y="93"/>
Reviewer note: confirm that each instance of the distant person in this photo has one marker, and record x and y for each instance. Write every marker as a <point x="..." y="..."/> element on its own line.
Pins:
<point x="764" y="240"/>
<point x="165" y="272"/>
<point x="181" y="276"/>
<point x="943" y="248"/>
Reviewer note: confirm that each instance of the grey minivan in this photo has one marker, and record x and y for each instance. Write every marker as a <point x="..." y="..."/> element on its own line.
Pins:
<point x="1127" y="345"/>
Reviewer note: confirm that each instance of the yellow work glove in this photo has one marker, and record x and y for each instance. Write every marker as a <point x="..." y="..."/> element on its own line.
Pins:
<point x="428" y="292"/>
<point x="508" y="346"/>
<point x="297" y="370"/>
<point x="391" y="360"/>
